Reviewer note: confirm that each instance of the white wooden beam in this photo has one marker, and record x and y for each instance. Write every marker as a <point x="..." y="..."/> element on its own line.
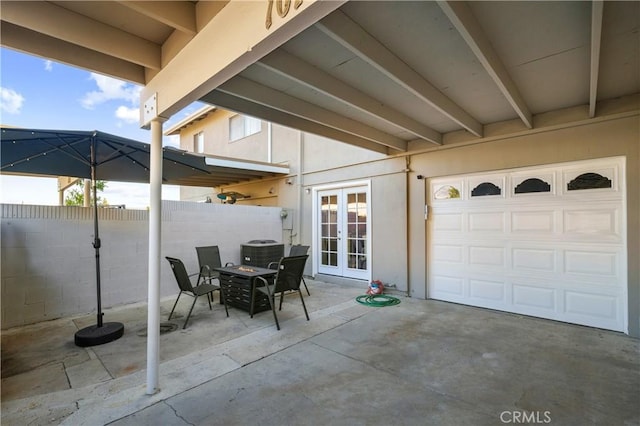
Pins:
<point x="33" y="43"/>
<point x="263" y="95"/>
<point x="180" y="15"/>
<point x="596" y="39"/>
<point x="204" y="64"/>
<point x="57" y="22"/>
<point x="234" y="103"/>
<point x="304" y="73"/>
<point x="345" y="31"/>
<point x="465" y="22"/>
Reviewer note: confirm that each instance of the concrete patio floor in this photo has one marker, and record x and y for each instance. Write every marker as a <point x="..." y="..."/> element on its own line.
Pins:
<point x="416" y="363"/>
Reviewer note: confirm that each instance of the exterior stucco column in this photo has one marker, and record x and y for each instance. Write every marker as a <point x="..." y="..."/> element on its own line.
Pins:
<point x="416" y="236"/>
<point x="155" y="232"/>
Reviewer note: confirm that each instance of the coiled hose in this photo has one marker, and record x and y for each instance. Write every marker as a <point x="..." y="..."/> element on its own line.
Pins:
<point x="377" y="300"/>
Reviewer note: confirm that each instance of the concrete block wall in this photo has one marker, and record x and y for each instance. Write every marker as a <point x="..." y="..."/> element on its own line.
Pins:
<point x="48" y="264"/>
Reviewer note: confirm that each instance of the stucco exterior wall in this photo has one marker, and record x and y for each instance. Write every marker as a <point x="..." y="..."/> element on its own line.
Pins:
<point x="388" y="212"/>
<point x="216" y="142"/>
<point x="48" y="261"/>
<point x="321" y="154"/>
<point x="605" y="138"/>
<point x="399" y="231"/>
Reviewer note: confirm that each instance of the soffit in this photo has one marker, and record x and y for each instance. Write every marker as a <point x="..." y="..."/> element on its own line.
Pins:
<point x="378" y="74"/>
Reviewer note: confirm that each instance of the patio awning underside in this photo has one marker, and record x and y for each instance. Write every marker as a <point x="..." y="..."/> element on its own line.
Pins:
<point x="68" y="153"/>
<point x="387" y="76"/>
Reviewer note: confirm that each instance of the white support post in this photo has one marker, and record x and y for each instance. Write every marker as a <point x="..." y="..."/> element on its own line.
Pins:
<point x="155" y="230"/>
<point x="269" y="142"/>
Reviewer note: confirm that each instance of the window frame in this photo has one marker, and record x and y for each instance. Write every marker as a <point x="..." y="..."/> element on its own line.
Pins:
<point x="250" y="126"/>
<point x="198" y="143"/>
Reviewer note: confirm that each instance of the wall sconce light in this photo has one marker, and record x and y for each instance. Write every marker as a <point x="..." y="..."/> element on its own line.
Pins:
<point x="231" y="197"/>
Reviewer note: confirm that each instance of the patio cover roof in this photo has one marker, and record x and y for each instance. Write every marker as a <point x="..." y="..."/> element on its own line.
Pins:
<point x="388" y="76"/>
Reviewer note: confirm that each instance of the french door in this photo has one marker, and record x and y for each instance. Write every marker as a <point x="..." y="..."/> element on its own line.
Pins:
<point x="343" y="232"/>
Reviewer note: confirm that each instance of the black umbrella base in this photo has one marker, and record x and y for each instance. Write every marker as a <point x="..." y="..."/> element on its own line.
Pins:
<point x="94" y="335"/>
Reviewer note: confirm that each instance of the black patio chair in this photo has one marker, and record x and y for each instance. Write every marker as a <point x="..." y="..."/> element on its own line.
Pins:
<point x="184" y="283"/>
<point x="300" y="250"/>
<point x="208" y="260"/>
<point x="288" y="277"/>
<point x="296" y="250"/>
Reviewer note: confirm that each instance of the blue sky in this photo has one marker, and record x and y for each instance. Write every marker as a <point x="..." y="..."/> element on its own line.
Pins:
<point x="42" y="94"/>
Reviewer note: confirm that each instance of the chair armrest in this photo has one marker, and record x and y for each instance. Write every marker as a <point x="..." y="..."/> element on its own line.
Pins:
<point x="229" y="264"/>
<point x="199" y="275"/>
<point x="266" y="284"/>
<point x="272" y="264"/>
<point x="204" y="275"/>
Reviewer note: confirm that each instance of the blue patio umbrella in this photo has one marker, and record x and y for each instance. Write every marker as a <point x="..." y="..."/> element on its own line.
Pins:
<point x="97" y="156"/>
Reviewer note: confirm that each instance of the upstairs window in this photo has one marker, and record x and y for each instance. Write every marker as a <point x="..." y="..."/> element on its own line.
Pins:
<point x="241" y="126"/>
<point x="198" y="142"/>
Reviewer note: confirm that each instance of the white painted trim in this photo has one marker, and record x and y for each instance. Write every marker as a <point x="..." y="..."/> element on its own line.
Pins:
<point x="192" y="118"/>
<point x="341" y="185"/>
<point x="238" y="164"/>
<point x="314" y="220"/>
<point x="314" y="216"/>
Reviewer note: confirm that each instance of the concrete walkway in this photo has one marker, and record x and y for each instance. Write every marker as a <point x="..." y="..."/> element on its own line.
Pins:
<point x="420" y="362"/>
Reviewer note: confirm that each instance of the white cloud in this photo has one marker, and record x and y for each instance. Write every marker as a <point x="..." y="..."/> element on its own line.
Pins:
<point x="172" y="140"/>
<point x="110" y="89"/>
<point x="136" y="195"/>
<point x="48" y="65"/>
<point x="128" y="115"/>
<point x="10" y="101"/>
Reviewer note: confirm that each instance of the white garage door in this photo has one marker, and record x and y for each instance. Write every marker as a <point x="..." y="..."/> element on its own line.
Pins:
<point x="547" y="241"/>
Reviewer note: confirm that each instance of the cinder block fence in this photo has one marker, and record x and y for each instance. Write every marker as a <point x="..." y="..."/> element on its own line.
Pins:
<point x="48" y="263"/>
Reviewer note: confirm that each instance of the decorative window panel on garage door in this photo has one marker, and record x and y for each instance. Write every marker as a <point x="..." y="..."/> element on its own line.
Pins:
<point x="544" y="241"/>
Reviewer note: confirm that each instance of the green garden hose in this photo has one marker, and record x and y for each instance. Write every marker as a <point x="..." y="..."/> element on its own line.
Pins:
<point x="377" y="300"/>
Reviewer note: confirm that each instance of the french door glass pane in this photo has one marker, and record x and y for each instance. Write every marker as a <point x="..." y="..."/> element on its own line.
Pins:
<point x="356" y="230"/>
<point x="329" y="230"/>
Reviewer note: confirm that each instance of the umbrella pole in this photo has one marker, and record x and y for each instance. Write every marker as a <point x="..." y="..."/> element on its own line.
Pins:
<point x="96" y="241"/>
<point x="101" y="332"/>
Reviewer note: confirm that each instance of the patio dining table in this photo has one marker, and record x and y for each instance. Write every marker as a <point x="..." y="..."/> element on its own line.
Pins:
<point x="237" y="283"/>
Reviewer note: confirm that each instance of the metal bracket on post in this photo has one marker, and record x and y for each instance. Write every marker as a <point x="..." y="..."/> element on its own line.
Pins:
<point x="149" y="110"/>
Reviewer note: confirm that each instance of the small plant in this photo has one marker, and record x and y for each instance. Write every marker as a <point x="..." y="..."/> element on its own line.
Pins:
<point x="75" y="197"/>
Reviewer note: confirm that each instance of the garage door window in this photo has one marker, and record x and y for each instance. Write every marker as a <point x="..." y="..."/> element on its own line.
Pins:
<point x="532" y="185"/>
<point x="447" y="192"/>
<point x="589" y="181"/>
<point x="486" y="188"/>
